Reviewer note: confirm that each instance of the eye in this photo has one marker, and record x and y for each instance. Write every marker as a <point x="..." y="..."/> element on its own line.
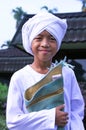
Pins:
<point x="38" y="38"/>
<point x="52" y="38"/>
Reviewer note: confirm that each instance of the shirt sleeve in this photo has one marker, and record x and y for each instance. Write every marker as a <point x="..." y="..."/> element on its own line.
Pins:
<point x="17" y="119"/>
<point x="76" y="101"/>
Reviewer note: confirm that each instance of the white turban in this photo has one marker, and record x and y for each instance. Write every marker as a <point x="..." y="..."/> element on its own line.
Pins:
<point x="43" y="21"/>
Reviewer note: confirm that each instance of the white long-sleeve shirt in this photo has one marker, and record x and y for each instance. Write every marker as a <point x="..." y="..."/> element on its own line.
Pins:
<point x="18" y="118"/>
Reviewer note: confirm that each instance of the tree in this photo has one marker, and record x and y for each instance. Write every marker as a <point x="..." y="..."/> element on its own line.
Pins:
<point x="6" y="44"/>
<point x="54" y="10"/>
<point x="18" y="15"/>
<point x="83" y="5"/>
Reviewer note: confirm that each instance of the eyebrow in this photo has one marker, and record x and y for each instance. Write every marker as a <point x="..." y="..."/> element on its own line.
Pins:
<point x="42" y="35"/>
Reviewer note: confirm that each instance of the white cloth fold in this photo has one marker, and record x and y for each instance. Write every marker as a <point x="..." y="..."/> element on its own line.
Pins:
<point x="43" y="21"/>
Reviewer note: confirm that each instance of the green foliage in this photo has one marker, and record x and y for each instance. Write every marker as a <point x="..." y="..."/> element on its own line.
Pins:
<point x="6" y="44"/>
<point x="18" y="13"/>
<point x="53" y="11"/>
<point x="3" y="92"/>
<point x="3" y="98"/>
<point x="3" y="122"/>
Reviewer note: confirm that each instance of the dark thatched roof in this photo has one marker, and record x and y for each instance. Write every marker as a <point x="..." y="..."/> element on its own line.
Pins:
<point x="74" y="43"/>
<point x="76" y="31"/>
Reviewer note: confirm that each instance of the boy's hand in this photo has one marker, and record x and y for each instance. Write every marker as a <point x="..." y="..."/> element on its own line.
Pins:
<point x="61" y="118"/>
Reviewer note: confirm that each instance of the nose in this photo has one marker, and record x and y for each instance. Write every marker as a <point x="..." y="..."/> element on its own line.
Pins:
<point x="45" y="43"/>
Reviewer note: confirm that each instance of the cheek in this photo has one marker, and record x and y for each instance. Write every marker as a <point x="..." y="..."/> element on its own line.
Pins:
<point x="55" y="51"/>
<point x="55" y="47"/>
<point x="33" y="45"/>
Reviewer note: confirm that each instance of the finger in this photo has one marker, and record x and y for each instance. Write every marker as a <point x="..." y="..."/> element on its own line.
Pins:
<point x="65" y="118"/>
<point x="64" y="122"/>
<point x="61" y="107"/>
<point x="65" y="115"/>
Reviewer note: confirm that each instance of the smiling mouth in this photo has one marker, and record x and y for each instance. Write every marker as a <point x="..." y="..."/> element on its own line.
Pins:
<point x="45" y="50"/>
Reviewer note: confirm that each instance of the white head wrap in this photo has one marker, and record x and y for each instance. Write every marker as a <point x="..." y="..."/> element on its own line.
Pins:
<point x="43" y="21"/>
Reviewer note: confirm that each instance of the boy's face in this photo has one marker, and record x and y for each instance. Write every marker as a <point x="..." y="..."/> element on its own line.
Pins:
<point x="44" y="46"/>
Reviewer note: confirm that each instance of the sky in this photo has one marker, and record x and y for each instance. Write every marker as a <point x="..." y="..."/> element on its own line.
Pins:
<point x="8" y="23"/>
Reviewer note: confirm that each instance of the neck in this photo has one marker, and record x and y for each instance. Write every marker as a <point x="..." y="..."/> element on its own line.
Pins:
<point x="41" y="67"/>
